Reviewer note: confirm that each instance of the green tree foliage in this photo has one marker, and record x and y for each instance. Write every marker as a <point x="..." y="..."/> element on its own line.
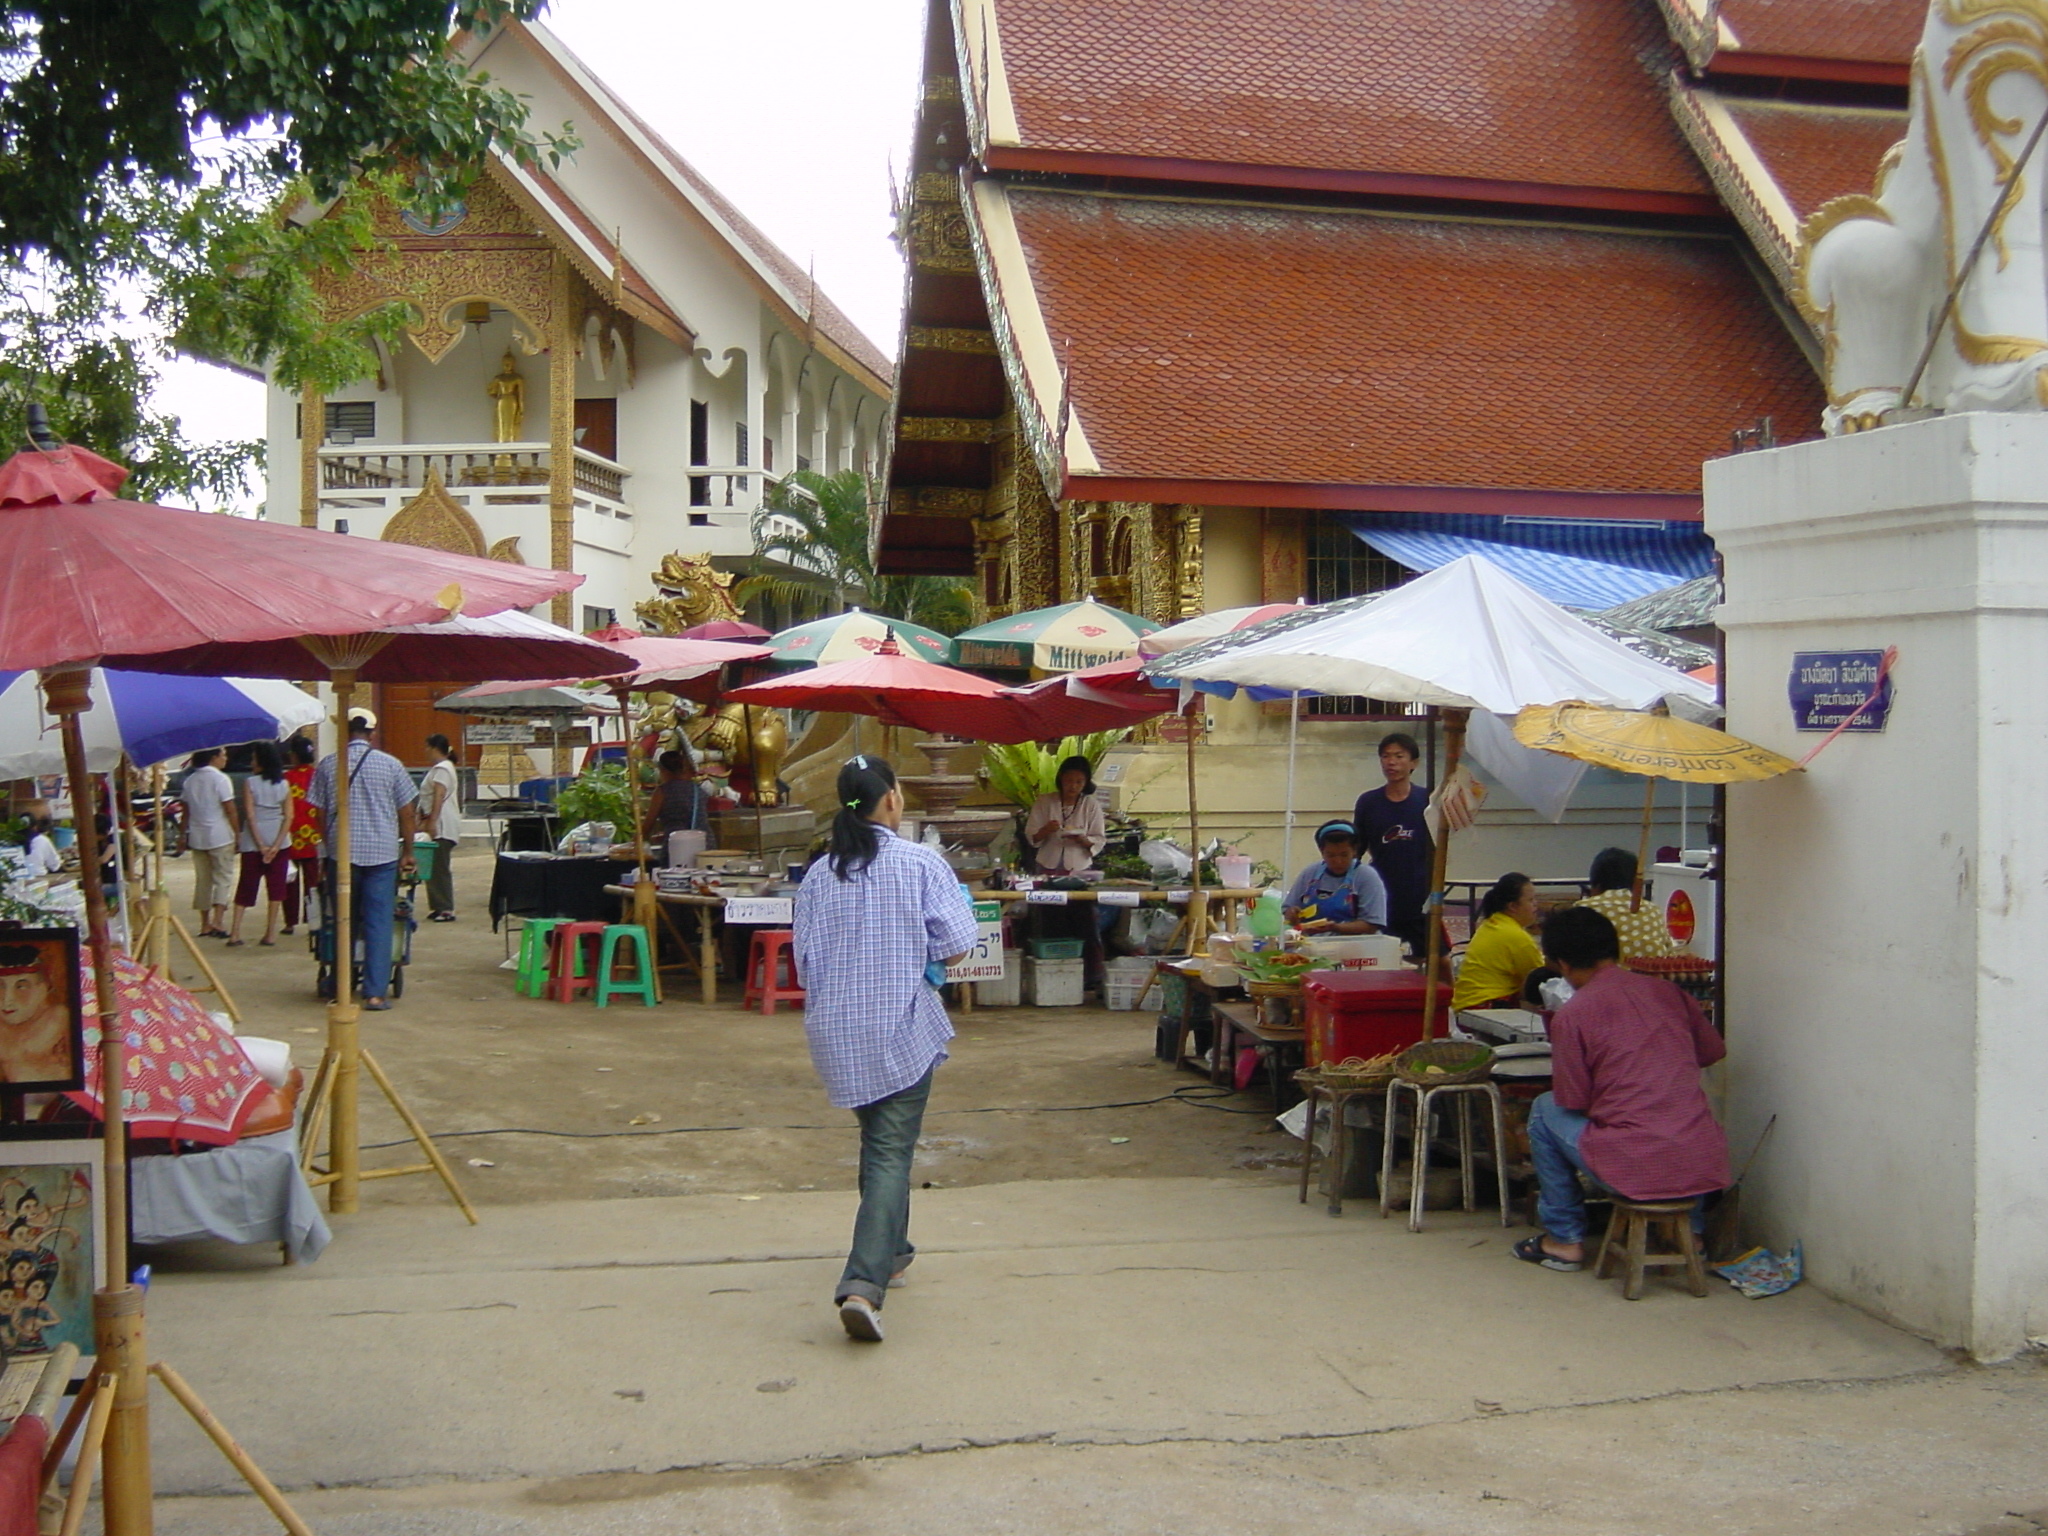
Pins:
<point x="817" y="526"/>
<point x="1020" y="772"/>
<point x="98" y="96"/>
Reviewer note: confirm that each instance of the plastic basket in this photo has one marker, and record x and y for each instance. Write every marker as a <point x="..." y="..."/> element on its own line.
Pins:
<point x="1121" y="991"/>
<point x="1057" y="949"/>
<point x="424" y="855"/>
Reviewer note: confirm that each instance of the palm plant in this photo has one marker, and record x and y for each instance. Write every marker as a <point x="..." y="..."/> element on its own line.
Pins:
<point x="816" y="528"/>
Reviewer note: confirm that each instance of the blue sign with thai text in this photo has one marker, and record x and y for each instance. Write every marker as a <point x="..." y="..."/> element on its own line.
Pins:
<point x="1828" y="687"/>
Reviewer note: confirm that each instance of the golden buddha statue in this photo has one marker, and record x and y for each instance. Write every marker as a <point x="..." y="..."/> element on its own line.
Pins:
<point x="508" y="402"/>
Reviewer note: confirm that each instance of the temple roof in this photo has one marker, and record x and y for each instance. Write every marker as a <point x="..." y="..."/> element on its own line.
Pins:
<point x="1325" y="357"/>
<point x="1340" y="95"/>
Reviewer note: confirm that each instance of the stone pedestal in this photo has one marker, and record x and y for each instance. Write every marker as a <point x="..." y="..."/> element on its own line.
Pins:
<point x="1887" y="911"/>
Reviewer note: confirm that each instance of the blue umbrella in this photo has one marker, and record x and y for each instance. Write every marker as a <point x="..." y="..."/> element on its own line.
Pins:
<point x="147" y="716"/>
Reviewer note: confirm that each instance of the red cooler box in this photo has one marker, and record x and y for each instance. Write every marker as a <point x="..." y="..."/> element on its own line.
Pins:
<point x="1365" y="1013"/>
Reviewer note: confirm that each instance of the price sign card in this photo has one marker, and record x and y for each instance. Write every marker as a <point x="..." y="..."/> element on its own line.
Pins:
<point x="1113" y="897"/>
<point x="760" y="909"/>
<point x="1046" y="898"/>
<point x="984" y="962"/>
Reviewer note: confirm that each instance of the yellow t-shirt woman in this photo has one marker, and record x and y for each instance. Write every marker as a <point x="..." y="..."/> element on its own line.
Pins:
<point x="1501" y="954"/>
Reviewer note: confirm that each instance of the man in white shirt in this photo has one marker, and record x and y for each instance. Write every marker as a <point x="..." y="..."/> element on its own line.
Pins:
<point x="211" y="827"/>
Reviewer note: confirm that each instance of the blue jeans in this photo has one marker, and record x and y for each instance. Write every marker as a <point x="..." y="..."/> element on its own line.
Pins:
<point x="376" y="910"/>
<point x="1554" y="1133"/>
<point x="889" y="1129"/>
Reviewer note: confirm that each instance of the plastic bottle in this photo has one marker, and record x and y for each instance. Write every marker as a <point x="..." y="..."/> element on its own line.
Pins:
<point x="1265" y="920"/>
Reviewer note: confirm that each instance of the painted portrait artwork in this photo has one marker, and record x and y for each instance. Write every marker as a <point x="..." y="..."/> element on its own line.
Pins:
<point x="42" y="1040"/>
<point x="49" y="1196"/>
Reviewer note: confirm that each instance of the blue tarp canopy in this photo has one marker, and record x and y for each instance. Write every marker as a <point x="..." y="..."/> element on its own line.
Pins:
<point x="1578" y="562"/>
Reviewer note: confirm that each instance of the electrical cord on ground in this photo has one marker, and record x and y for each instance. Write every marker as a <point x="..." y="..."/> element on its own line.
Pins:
<point x="1194" y="1095"/>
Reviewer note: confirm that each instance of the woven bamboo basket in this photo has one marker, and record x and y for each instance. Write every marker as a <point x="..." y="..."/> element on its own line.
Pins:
<point x="1460" y="1061"/>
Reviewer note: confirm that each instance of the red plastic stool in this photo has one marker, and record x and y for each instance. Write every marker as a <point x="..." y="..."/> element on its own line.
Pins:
<point x="572" y="967"/>
<point x="765" y="958"/>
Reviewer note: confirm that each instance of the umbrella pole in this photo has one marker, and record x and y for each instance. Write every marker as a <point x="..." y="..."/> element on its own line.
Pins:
<point x="116" y="1310"/>
<point x="344" y="1037"/>
<point x="1432" y="908"/>
<point x="158" y="957"/>
<point x="646" y="912"/>
<point x="1643" y="847"/>
<point x="1293" y="738"/>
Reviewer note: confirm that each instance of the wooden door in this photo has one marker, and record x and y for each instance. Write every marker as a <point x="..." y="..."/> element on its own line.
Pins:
<point x="597" y="427"/>
<point x="406" y="717"/>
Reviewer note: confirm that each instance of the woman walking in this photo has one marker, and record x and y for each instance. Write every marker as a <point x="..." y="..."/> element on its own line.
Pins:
<point x="877" y="922"/>
<point x="266" y="830"/>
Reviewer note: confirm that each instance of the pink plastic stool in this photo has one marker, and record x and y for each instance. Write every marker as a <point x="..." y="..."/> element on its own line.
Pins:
<point x="772" y="947"/>
<point x="572" y="966"/>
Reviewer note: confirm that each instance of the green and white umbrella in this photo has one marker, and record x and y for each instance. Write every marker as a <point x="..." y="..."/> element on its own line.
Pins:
<point x="851" y="635"/>
<point x="1064" y="638"/>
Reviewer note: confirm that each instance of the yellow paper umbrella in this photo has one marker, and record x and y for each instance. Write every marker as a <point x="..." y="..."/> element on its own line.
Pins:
<point x="1661" y="746"/>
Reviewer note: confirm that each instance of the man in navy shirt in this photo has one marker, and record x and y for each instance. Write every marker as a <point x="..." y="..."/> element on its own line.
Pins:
<point x="1390" y="823"/>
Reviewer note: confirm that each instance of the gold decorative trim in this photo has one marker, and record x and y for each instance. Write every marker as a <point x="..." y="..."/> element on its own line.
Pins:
<point x="943" y="429"/>
<point x="942" y="88"/>
<point x="937" y="501"/>
<point x="935" y="187"/>
<point x="937" y="338"/>
<point x="435" y="520"/>
<point x="507" y="550"/>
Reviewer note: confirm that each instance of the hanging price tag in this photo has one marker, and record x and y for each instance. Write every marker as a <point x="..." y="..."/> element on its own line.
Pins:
<point x="1113" y="897"/>
<point x="1178" y="898"/>
<point x="1046" y="898"/>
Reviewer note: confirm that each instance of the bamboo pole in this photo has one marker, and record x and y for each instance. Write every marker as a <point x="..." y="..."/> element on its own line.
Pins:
<point x="1293" y="735"/>
<point x="104" y="1401"/>
<point x="117" y="1309"/>
<point x="344" y="1019"/>
<point x="1198" y="904"/>
<point x="240" y="1459"/>
<point x="1643" y="846"/>
<point x="1432" y="907"/>
<point x="754" y="757"/>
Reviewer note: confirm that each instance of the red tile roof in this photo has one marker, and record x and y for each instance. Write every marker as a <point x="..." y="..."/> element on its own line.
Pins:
<point x="1815" y="153"/>
<point x="1873" y="31"/>
<point x="1527" y="91"/>
<point x="1234" y="343"/>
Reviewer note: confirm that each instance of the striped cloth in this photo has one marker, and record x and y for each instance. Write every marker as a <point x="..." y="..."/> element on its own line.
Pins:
<point x="1579" y="562"/>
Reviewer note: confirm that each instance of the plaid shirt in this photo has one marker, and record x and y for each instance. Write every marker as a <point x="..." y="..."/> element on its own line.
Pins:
<point x="378" y="789"/>
<point x="875" y="1024"/>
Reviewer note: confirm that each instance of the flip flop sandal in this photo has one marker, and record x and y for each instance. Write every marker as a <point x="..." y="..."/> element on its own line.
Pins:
<point x="377" y="1005"/>
<point x="1530" y="1251"/>
<point x="268" y="943"/>
<point x="236" y="943"/>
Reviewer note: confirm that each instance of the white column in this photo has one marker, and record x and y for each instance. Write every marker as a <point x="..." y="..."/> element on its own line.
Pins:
<point x="1885" y="909"/>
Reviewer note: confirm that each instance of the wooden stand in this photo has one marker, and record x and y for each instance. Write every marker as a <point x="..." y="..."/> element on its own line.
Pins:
<point x="154" y="945"/>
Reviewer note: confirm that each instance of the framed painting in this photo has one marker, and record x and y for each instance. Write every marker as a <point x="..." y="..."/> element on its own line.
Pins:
<point x="50" y="1207"/>
<point x="42" y="1021"/>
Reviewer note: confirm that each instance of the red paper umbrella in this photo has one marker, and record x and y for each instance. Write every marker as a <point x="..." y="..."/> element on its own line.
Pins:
<point x="724" y="629"/>
<point x="1107" y="697"/>
<point x="184" y="1076"/>
<point x="663" y="663"/>
<point x="897" y="689"/>
<point x="84" y="575"/>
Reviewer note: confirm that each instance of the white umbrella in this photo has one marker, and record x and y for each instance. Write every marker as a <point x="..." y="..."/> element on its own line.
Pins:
<point x="148" y="717"/>
<point x="1466" y="636"/>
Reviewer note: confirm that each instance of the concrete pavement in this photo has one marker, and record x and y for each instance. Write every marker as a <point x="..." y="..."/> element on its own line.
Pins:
<point x="640" y="1336"/>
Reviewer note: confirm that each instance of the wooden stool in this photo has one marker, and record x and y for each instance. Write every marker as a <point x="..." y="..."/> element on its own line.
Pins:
<point x="533" y="954"/>
<point x="1418" y="1142"/>
<point x="1629" y="1231"/>
<point x="641" y="983"/>
<point x="765" y="957"/>
<point x="1319" y="1092"/>
<point x="567" y="973"/>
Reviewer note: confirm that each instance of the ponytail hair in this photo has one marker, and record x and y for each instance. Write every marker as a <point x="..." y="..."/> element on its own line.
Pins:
<point x="863" y="784"/>
<point x="1507" y="890"/>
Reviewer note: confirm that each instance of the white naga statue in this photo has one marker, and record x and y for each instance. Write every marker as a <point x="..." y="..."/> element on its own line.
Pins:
<point x="1876" y="271"/>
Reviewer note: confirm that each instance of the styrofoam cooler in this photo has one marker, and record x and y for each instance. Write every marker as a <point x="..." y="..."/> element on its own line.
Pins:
<point x="1365" y="1013"/>
<point x="1008" y="992"/>
<point x="1054" y="983"/>
<point x="1357" y="951"/>
<point x="685" y="848"/>
<point x="1124" y="981"/>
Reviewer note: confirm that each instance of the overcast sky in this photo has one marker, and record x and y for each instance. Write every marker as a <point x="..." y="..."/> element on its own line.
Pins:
<point x="794" y="109"/>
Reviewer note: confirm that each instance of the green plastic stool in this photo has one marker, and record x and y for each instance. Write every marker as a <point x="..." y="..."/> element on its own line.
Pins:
<point x="533" y="955"/>
<point x="641" y="985"/>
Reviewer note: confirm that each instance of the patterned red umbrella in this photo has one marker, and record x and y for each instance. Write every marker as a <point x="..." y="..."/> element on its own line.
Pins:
<point x="185" y="1076"/>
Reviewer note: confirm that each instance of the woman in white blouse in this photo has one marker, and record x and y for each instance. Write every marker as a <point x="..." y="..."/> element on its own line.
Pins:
<point x="1065" y="828"/>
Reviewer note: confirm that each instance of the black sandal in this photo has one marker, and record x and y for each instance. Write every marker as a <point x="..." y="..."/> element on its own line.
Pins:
<point x="1530" y="1250"/>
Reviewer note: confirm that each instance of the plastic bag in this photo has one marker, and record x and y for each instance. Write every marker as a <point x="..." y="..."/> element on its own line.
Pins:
<point x="1165" y="860"/>
<point x="584" y="833"/>
<point x="1556" y="993"/>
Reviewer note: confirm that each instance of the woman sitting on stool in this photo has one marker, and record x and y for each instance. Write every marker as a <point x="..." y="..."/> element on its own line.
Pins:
<point x="1501" y="954"/>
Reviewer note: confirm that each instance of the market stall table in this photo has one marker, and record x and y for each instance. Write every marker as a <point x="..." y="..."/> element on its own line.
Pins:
<point x="552" y="885"/>
<point x="251" y="1192"/>
<point x="711" y="920"/>
<point x="1282" y="1048"/>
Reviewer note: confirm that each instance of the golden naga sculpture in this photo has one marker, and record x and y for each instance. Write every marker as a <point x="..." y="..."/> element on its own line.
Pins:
<point x="692" y="593"/>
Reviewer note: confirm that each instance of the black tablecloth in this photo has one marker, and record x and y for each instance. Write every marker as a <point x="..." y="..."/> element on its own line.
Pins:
<point x="555" y="887"/>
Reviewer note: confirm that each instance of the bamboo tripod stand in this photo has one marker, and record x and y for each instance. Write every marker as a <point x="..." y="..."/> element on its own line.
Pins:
<point x="160" y="925"/>
<point x="120" y="1390"/>
<point x="335" y="1104"/>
